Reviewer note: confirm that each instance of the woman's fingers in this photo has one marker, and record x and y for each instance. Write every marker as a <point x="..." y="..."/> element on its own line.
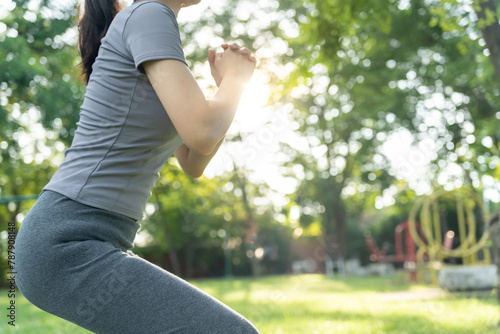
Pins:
<point x="243" y="51"/>
<point x="211" y="57"/>
<point x="232" y="46"/>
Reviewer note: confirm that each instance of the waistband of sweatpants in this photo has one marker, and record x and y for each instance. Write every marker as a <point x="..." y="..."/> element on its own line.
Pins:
<point x="88" y="221"/>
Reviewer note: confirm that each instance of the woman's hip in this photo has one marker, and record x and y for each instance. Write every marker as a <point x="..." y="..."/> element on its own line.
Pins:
<point x="56" y="219"/>
<point x="61" y="237"/>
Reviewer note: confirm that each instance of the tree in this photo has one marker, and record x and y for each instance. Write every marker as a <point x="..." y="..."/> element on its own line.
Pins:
<point x="487" y="12"/>
<point x="39" y="98"/>
<point x="361" y="77"/>
<point x="40" y="94"/>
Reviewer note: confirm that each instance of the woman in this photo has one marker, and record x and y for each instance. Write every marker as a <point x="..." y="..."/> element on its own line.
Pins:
<point x="142" y="105"/>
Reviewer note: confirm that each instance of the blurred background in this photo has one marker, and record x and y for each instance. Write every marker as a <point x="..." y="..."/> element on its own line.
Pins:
<point x="356" y="110"/>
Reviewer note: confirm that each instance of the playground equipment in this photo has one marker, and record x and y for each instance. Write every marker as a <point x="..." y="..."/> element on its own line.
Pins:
<point x="432" y="245"/>
<point x="410" y="257"/>
<point x="407" y="259"/>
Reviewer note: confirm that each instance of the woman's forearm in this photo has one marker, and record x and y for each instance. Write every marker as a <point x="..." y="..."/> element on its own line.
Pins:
<point x="222" y="107"/>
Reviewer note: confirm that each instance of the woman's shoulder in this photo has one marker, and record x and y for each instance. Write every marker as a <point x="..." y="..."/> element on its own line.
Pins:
<point x="146" y="13"/>
<point x="149" y="16"/>
<point x="147" y="6"/>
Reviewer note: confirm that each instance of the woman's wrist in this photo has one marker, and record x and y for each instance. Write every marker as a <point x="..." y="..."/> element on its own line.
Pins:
<point x="234" y="81"/>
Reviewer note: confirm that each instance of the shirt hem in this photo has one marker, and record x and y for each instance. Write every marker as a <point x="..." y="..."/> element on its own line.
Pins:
<point x="155" y="56"/>
<point x="99" y="205"/>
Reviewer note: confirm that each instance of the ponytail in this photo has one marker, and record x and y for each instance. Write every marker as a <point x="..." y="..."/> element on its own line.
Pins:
<point x="92" y="27"/>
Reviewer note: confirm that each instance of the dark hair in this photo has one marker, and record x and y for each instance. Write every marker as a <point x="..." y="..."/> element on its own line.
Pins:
<point x="93" y="25"/>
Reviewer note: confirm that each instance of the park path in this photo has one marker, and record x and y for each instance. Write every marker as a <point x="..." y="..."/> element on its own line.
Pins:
<point x="419" y="294"/>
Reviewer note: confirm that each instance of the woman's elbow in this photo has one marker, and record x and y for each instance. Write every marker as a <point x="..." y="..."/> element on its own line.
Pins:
<point x="201" y="139"/>
<point x="194" y="173"/>
<point x="197" y="175"/>
<point x="202" y="148"/>
<point x="202" y="145"/>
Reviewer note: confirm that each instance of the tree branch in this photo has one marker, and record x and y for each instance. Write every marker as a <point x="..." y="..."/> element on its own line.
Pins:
<point x="490" y="28"/>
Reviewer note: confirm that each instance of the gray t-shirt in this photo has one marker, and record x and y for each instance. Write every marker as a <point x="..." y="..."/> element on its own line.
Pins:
<point x="124" y="135"/>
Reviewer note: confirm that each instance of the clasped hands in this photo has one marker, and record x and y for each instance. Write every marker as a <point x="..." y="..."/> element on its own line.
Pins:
<point x="233" y="61"/>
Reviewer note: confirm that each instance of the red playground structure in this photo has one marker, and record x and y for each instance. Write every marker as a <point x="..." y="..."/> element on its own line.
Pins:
<point x="409" y="259"/>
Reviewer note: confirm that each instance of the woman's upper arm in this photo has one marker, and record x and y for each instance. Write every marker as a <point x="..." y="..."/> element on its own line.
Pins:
<point x="183" y="101"/>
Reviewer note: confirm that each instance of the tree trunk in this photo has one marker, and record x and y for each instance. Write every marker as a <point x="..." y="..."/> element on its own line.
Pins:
<point x="190" y="249"/>
<point x="491" y="32"/>
<point x="340" y="235"/>
<point x="15" y="193"/>
<point x="255" y="265"/>
<point x="251" y="225"/>
<point x="15" y="212"/>
<point x="330" y="254"/>
<point x="329" y="243"/>
<point x="340" y="219"/>
<point x="172" y="253"/>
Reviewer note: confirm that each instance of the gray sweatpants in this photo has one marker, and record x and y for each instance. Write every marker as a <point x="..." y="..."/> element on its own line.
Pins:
<point x="74" y="261"/>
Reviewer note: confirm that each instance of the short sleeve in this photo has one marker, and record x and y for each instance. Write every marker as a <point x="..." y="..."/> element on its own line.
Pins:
<point x="151" y="32"/>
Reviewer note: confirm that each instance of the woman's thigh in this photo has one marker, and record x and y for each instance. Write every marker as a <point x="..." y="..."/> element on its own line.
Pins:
<point x="144" y="298"/>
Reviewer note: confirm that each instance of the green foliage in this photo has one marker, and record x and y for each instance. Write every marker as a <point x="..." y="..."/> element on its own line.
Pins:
<point x="367" y="70"/>
<point x="38" y="86"/>
<point x="39" y="99"/>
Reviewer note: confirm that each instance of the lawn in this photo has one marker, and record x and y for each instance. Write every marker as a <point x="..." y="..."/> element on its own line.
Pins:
<point x="312" y="304"/>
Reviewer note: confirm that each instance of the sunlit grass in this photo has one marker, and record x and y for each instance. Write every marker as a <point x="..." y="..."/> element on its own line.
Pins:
<point x="312" y="304"/>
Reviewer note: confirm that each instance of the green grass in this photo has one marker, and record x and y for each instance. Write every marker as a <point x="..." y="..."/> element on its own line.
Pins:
<point x="312" y="304"/>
